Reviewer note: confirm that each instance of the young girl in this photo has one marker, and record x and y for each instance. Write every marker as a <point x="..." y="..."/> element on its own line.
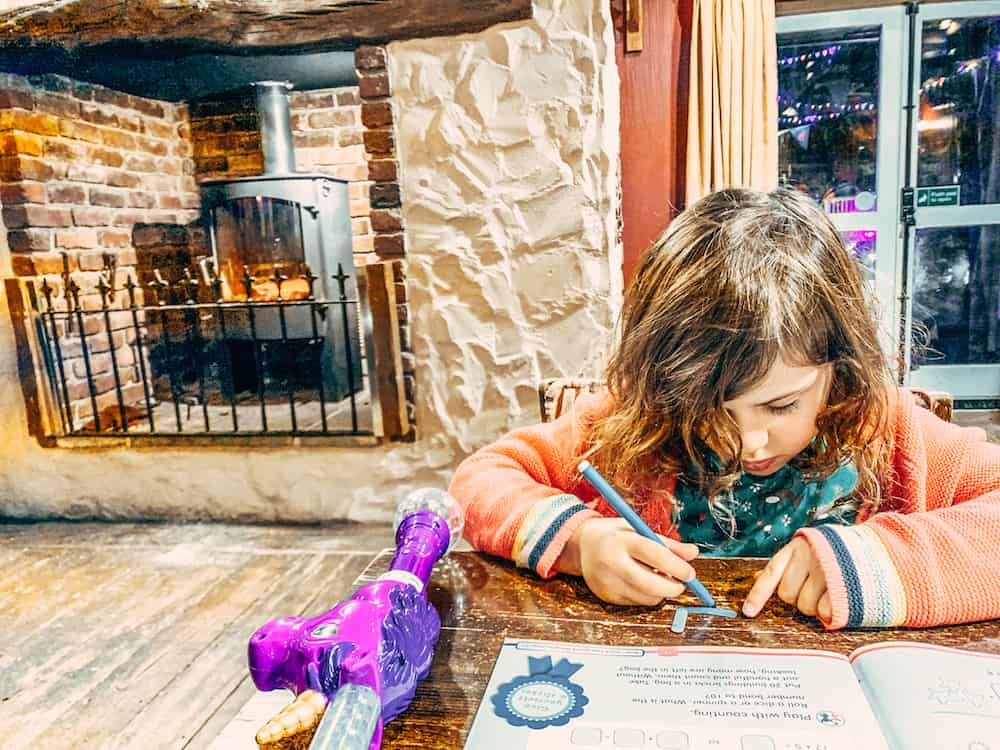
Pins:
<point x="749" y="412"/>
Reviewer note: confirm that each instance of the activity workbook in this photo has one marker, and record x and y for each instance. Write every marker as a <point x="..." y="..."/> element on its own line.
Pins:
<point x="546" y="695"/>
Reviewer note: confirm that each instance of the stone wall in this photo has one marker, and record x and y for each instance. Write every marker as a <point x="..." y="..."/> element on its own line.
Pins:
<point x="508" y="150"/>
<point x="507" y="143"/>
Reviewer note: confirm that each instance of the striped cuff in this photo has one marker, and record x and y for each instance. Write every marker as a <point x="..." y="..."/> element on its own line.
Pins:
<point x="865" y="589"/>
<point x="546" y="529"/>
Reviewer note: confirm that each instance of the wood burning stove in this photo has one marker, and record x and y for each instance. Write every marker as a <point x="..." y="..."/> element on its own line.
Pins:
<point x="284" y="236"/>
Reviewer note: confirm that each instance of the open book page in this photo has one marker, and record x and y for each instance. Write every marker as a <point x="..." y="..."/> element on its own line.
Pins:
<point x="545" y="695"/>
<point x="930" y="697"/>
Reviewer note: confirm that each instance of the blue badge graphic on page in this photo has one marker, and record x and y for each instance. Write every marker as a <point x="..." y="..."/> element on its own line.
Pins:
<point x="544" y="697"/>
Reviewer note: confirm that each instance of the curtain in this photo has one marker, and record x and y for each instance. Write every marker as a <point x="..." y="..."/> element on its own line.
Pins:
<point x="732" y="138"/>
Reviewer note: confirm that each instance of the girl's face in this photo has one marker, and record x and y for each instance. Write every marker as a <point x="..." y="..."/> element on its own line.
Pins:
<point x="777" y="417"/>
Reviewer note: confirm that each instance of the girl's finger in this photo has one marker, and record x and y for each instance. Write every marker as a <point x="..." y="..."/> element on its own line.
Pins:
<point x="794" y="577"/>
<point x="684" y="550"/>
<point x="659" y="558"/>
<point x="824" y="609"/>
<point x="646" y="587"/>
<point x="813" y="589"/>
<point x="768" y="581"/>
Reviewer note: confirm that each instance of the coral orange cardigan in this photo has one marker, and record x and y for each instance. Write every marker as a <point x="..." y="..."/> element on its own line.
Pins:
<point x="929" y="556"/>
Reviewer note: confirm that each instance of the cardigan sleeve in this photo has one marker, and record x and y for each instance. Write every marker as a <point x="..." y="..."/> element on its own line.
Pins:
<point x="933" y="556"/>
<point x="521" y="495"/>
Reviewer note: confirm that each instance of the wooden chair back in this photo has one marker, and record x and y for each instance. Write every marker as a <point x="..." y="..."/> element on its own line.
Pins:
<point x="556" y="396"/>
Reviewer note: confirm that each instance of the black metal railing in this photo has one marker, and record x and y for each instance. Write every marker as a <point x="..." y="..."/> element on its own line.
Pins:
<point x="187" y="357"/>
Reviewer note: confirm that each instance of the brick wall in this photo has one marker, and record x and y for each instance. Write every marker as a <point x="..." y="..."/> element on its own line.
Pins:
<point x="84" y="168"/>
<point x="326" y="126"/>
<point x="80" y="166"/>
<point x="328" y="139"/>
<point x="224" y="138"/>
<point x="386" y="215"/>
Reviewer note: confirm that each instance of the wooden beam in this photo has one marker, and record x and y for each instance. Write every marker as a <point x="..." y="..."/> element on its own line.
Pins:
<point x="213" y="25"/>
<point x="799" y="7"/>
<point x="42" y="412"/>
<point x="386" y="382"/>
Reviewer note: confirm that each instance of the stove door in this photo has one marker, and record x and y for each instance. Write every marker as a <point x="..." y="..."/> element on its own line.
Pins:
<point x="265" y="235"/>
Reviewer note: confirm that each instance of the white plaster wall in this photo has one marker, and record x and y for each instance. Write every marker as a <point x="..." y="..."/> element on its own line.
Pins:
<point x="508" y="143"/>
<point x="508" y="148"/>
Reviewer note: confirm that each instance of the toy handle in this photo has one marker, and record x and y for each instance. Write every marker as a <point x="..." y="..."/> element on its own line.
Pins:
<point x="428" y="523"/>
<point x="436" y="501"/>
<point x="352" y="721"/>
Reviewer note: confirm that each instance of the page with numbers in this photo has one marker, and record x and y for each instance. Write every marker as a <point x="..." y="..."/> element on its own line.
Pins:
<point x="544" y="695"/>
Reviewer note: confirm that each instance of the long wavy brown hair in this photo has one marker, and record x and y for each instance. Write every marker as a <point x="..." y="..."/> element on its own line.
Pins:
<point x="737" y="280"/>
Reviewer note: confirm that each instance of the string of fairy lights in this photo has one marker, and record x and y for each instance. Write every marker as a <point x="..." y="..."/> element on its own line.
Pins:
<point x="963" y="67"/>
<point x="819" y="54"/>
<point x="819" y="112"/>
<point x="797" y="113"/>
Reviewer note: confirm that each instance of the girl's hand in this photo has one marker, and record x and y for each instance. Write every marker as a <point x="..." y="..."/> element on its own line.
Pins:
<point x="623" y="567"/>
<point x="798" y="578"/>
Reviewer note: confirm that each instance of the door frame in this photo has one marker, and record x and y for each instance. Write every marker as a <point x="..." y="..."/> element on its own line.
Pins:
<point x="888" y="164"/>
<point x="970" y="382"/>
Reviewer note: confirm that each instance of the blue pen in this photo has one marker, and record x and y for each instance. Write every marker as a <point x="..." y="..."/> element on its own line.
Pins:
<point x="623" y="509"/>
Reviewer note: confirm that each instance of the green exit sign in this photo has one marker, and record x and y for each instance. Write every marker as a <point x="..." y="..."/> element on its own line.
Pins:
<point x="932" y="197"/>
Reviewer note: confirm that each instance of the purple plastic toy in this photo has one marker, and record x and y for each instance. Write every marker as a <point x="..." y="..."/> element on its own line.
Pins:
<point x="368" y="652"/>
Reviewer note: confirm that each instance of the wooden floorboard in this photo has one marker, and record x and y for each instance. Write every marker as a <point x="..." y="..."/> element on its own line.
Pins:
<point x="52" y="586"/>
<point x="134" y="635"/>
<point x="224" y="721"/>
<point x="160" y="643"/>
<point x="334" y="537"/>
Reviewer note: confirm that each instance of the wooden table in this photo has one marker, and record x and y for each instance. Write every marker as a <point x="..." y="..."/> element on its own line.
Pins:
<point x="483" y="600"/>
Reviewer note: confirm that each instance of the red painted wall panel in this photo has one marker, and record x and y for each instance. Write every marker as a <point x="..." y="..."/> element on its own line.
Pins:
<point x="653" y="113"/>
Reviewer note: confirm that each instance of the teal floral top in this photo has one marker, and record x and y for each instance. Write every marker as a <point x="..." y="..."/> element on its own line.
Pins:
<point x="766" y="511"/>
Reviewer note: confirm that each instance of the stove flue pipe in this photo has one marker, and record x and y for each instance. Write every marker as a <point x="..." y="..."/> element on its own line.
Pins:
<point x="275" y="123"/>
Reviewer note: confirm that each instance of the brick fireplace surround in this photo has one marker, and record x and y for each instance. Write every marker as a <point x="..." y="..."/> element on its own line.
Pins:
<point x="505" y="126"/>
<point x="89" y="174"/>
